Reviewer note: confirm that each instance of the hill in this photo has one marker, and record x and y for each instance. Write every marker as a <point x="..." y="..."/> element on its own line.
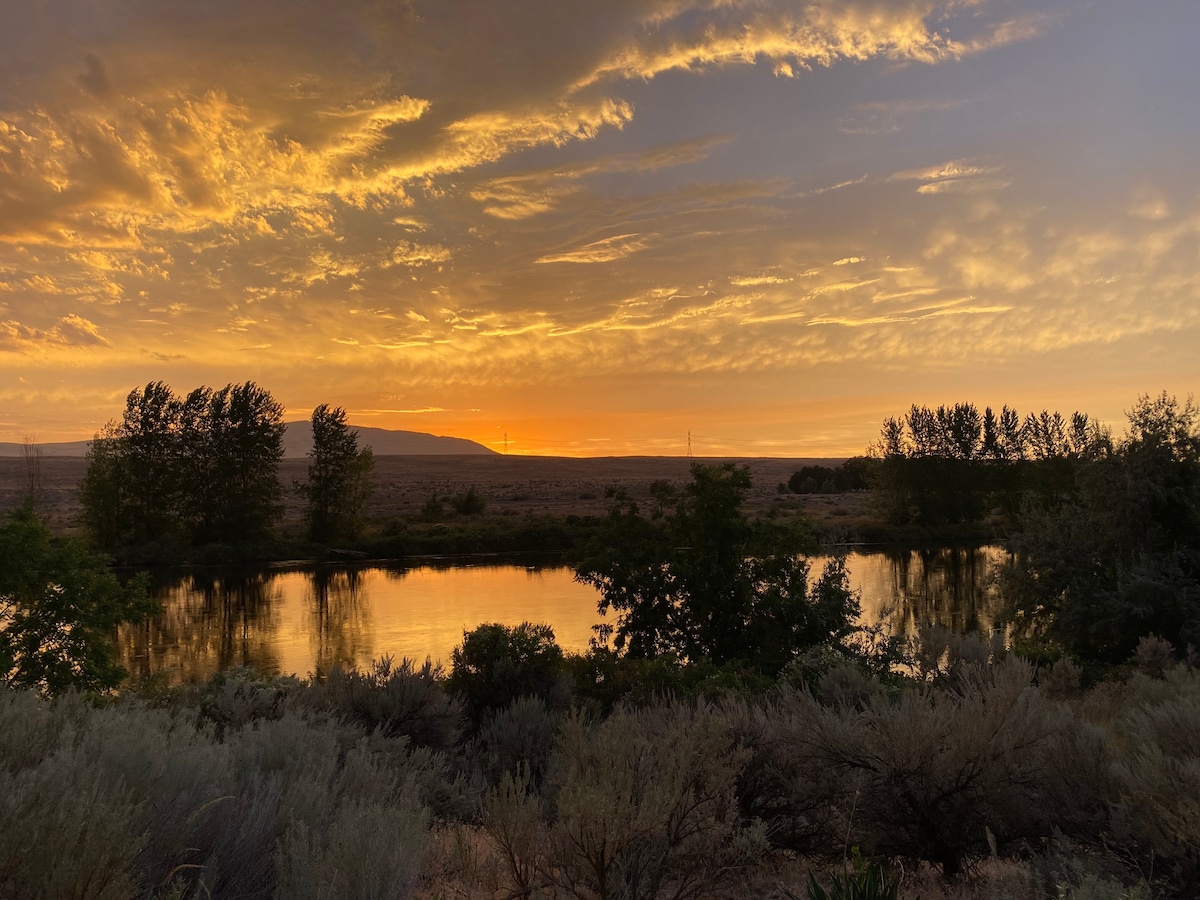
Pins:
<point x="297" y="441"/>
<point x="384" y="442"/>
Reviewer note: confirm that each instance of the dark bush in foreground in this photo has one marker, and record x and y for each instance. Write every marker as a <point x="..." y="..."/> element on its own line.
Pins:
<point x="496" y="664"/>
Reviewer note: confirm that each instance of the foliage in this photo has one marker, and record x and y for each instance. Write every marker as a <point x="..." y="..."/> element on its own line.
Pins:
<point x="396" y="700"/>
<point x="867" y="881"/>
<point x="339" y="478"/>
<point x="496" y="664"/>
<point x="1121" y="558"/>
<point x="926" y="775"/>
<point x="1156" y="764"/>
<point x="266" y="786"/>
<point x="953" y="464"/>
<point x="855" y="474"/>
<point x="519" y="739"/>
<point x="697" y="579"/>
<point x="200" y="468"/>
<point x="122" y="800"/>
<point x="468" y="503"/>
<point x="59" y="607"/>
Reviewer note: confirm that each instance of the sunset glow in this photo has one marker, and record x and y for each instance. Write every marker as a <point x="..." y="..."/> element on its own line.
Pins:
<point x="597" y="227"/>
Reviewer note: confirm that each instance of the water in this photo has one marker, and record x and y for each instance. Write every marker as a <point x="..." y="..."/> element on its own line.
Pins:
<point x="303" y="620"/>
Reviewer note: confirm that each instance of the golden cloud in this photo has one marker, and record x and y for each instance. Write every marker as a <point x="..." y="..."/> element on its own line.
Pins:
<point x="604" y="250"/>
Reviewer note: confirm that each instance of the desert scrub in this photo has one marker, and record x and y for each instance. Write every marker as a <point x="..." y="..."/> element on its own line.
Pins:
<point x="1156" y="764"/>
<point x="124" y="800"/>
<point x="400" y="700"/>
<point x="641" y="805"/>
<point x="929" y="775"/>
<point x="518" y="739"/>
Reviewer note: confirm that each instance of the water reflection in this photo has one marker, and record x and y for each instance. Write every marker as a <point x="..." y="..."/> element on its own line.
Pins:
<point x="307" y="620"/>
<point x="209" y="622"/>
<point x="953" y="587"/>
<point x="340" y="619"/>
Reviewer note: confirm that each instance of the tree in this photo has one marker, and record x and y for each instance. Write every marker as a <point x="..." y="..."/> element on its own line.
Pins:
<point x="130" y="492"/>
<point x="1119" y="558"/>
<point x="245" y="429"/>
<point x="59" y="607"/>
<point x="339" y="477"/>
<point x="698" y="580"/>
<point x="32" y="452"/>
<point x="201" y="468"/>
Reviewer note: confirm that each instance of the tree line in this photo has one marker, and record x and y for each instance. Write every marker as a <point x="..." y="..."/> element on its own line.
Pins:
<point x="962" y="432"/>
<point x="1105" y="532"/>
<point x="203" y="468"/>
<point x="953" y="464"/>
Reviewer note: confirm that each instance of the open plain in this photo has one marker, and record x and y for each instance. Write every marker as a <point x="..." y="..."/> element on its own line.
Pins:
<point x="511" y="485"/>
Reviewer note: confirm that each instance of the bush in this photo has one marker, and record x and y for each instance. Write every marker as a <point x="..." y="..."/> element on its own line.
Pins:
<point x="59" y="607"/>
<point x="519" y="738"/>
<point x="397" y="700"/>
<point x="1157" y="769"/>
<point x="645" y="801"/>
<point x="496" y="664"/>
<point x="924" y="776"/>
<point x="468" y="503"/>
<point x="126" y="800"/>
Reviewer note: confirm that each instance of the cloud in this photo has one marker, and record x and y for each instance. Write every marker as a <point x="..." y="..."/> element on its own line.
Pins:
<point x="421" y="193"/>
<point x="527" y="194"/>
<point x="604" y="250"/>
<point x="72" y="331"/>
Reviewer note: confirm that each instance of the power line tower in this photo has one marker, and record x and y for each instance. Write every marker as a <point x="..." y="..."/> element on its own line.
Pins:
<point x="689" y="443"/>
<point x="505" y="443"/>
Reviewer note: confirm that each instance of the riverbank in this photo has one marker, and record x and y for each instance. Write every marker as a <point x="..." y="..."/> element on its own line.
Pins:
<point x="530" y="505"/>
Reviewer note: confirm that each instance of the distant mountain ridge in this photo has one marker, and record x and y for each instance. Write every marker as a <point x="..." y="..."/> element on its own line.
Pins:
<point x="297" y="441"/>
<point x="385" y="442"/>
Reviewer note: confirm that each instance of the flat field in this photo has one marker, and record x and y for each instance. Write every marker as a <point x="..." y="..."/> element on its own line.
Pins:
<point x="511" y="485"/>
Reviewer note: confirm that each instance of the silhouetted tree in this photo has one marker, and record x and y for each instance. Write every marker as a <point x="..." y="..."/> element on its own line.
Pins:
<point x="698" y="580"/>
<point x="495" y="664"/>
<point x="950" y="464"/>
<point x="1119" y="558"/>
<point x="339" y="477"/>
<point x="202" y="468"/>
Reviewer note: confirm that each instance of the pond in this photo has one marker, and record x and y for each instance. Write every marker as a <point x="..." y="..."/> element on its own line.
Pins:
<point x="305" y="619"/>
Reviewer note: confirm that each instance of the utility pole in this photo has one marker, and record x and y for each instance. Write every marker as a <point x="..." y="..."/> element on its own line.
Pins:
<point x="689" y="443"/>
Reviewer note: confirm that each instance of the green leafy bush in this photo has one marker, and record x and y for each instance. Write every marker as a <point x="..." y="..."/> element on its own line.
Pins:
<point x="495" y="664"/>
<point x="59" y="605"/>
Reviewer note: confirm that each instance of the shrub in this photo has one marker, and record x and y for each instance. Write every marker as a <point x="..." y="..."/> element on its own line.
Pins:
<point x="645" y="805"/>
<point x="126" y="800"/>
<point x="1157" y="770"/>
<point x="519" y="738"/>
<point x="512" y="815"/>
<point x="496" y="664"/>
<point x="923" y="776"/>
<point x="366" y="850"/>
<point x="866" y="882"/>
<point x="468" y="503"/>
<point x="398" y="700"/>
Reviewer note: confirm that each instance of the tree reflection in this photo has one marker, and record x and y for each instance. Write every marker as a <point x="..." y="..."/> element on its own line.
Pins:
<point x="341" y="628"/>
<point x="951" y="587"/>
<point x="209" y="622"/>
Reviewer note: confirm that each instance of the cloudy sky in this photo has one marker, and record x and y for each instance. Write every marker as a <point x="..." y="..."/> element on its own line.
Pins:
<point x="597" y="226"/>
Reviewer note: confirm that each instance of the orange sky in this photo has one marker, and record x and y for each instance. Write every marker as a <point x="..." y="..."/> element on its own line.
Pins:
<point x="600" y="226"/>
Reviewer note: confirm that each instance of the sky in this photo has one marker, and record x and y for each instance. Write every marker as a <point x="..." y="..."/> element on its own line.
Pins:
<point x="597" y="227"/>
